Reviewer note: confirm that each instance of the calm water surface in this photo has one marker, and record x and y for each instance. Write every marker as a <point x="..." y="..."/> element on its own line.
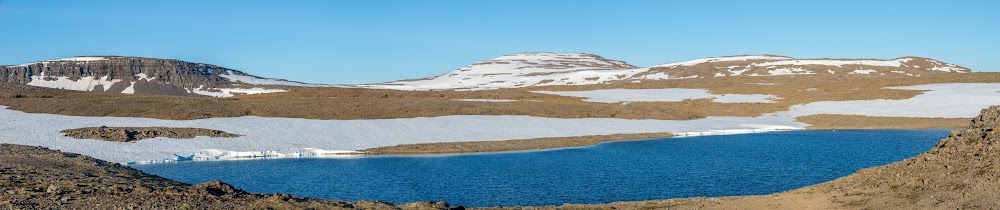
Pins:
<point x="745" y="164"/>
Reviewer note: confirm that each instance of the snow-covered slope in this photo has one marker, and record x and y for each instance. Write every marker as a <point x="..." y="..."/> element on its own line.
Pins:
<point x="541" y="69"/>
<point x="136" y="75"/>
<point x="770" y="65"/>
<point x="522" y="70"/>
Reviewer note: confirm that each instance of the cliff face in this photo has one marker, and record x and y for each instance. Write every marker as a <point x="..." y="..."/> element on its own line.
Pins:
<point x="135" y="75"/>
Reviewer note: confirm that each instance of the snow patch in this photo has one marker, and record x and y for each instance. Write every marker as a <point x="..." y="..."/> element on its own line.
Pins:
<point x="832" y="62"/>
<point x="82" y="59"/>
<point x="788" y="71"/>
<point x="951" y="100"/>
<point x="229" y="92"/>
<point x="280" y="137"/>
<point x="863" y="71"/>
<point x="82" y="84"/>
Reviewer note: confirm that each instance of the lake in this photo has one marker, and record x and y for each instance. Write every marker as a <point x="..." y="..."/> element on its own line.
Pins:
<point x="745" y="164"/>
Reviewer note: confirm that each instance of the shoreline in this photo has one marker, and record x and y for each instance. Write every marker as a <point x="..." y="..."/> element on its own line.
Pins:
<point x="466" y="148"/>
<point x="451" y="148"/>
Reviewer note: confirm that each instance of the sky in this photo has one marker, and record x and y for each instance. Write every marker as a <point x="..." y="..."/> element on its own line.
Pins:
<point x="365" y="41"/>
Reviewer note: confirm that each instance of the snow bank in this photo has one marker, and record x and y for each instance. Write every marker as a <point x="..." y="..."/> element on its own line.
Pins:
<point x="863" y="71"/>
<point x="279" y="137"/>
<point x="230" y="92"/>
<point x="952" y="100"/>
<point x="290" y="137"/>
<point x="660" y="95"/>
<point x="82" y="84"/>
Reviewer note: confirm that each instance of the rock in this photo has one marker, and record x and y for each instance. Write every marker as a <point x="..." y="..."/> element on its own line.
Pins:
<point x="218" y="188"/>
<point x="161" y="76"/>
<point x="52" y="188"/>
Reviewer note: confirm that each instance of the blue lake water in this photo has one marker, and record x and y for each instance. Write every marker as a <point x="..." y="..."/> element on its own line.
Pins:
<point x="726" y="165"/>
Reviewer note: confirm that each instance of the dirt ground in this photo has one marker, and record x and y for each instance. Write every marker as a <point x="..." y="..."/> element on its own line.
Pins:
<point x="352" y="103"/>
<point x="508" y="145"/>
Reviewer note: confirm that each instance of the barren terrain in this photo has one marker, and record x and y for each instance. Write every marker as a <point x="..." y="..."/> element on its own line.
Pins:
<point x="38" y="178"/>
<point x="356" y="103"/>
<point x="508" y="145"/>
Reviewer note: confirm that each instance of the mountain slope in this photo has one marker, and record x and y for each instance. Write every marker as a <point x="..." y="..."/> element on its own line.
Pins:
<point x="770" y="65"/>
<point x="542" y="69"/>
<point x="136" y="75"/>
<point x="523" y="70"/>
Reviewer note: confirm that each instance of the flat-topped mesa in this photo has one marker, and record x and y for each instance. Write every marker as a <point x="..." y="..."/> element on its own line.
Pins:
<point x="772" y="65"/>
<point x="137" y="75"/>
<point x="522" y="70"/>
<point x="542" y="69"/>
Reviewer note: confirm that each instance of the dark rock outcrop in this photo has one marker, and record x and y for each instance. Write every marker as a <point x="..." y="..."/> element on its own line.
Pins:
<point x="120" y="74"/>
<point x="130" y="134"/>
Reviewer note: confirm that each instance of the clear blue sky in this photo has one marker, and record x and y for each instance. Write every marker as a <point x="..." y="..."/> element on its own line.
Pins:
<point x="370" y="41"/>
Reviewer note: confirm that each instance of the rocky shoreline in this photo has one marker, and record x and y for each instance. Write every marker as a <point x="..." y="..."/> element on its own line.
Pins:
<point x="507" y="145"/>
<point x="960" y="172"/>
<point x="39" y="178"/>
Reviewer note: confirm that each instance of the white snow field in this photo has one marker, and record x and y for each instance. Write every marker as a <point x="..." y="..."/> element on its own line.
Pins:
<point x="950" y="100"/>
<point x="660" y="95"/>
<point x="291" y="137"/>
<point x="230" y="92"/>
<point x="522" y="70"/>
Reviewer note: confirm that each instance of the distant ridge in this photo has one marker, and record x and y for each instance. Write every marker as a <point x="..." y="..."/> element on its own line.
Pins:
<point x="138" y="75"/>
<point x="542" y="69"/>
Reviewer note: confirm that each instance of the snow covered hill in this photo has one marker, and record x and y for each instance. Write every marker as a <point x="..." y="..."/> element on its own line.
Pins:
<point x="136" y="75"/>
<point x="541" y="69"/>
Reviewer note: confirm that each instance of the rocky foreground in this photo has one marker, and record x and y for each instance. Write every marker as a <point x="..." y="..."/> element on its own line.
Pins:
<point x="960" y="172"/>
<point x="39" y="178"/>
